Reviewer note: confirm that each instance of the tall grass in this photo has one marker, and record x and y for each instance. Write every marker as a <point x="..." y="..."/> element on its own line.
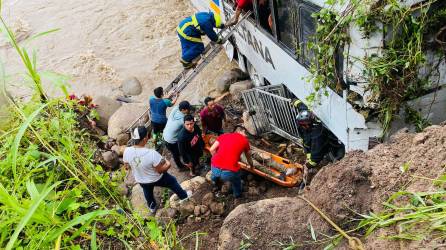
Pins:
<point x="416" y="215"/>
<point x="52" y="194"/>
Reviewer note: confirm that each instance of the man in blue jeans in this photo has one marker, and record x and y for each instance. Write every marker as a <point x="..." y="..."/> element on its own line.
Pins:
<point x="226" y="152"/>
<point x="150" y="169"/>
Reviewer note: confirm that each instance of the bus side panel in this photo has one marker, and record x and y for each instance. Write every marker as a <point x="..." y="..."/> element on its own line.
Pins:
<point x="273" y="63"/>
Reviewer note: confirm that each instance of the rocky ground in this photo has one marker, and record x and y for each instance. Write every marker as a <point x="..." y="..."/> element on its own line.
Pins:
<point x="273" y="217"/>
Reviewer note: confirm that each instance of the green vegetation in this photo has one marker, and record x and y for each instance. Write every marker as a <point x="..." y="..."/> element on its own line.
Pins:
<point x="416" y="215"/>
<point x="52" y="193"/>
<point x="393" y="75"/>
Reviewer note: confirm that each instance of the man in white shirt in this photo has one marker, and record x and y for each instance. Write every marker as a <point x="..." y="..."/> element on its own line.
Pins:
<point x="150" y="169"/>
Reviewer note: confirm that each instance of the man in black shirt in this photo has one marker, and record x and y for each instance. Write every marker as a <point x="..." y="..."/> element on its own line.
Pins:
<point x="190" y="143"/>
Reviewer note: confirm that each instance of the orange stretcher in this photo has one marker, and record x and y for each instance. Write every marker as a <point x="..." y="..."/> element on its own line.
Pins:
<point x="287" y="181"/>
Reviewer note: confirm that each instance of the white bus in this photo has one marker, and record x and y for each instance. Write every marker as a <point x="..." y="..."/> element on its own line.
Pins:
<point x="268" y="54"/>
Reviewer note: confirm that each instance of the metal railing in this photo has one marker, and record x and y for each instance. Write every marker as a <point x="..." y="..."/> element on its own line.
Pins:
<point x="272" y="111"/>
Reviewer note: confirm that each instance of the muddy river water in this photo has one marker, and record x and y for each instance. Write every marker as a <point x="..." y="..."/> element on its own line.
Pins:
<point x="100" y="43"/>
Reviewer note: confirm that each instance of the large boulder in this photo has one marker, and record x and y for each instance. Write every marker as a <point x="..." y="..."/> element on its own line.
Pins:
<point x="263" y="221"/>
<point x="239" y="74"/>
<point x="131" y="86"/>
<point x="237" y="88"/>
<point x="106" y="108"/>
<point x="228" y="78"/>
<point x="124" y="117"/>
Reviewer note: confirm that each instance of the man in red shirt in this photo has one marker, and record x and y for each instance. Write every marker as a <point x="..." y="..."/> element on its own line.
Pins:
<point x="226" y="152"/>
<point x="212" y="117"/>
<point x="244" y="5"/>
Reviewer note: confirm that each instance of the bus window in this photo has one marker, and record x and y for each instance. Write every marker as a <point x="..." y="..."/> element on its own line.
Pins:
<point x="264" y="14"/>
<point x="307" y="29"/>
<point x="286" y="23"/>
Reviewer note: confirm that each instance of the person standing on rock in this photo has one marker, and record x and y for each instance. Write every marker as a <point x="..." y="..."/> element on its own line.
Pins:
<point x="191" y="144"/>
<point x="190" y="31"/>
<point x="173" y="127"/>
<point x="226" y="152"/>
<point x="212" y="117"/>
<point x="150" y="169"/>
<point x="158" y="106"/>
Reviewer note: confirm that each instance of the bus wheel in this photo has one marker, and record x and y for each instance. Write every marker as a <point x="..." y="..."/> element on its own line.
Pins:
<point x="257" y="79"/>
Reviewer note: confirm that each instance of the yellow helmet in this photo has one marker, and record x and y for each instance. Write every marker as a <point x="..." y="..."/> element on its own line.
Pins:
<point x="217" y="19"/>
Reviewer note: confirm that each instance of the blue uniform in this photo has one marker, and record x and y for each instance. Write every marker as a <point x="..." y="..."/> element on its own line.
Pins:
<point x="192" y="28"/>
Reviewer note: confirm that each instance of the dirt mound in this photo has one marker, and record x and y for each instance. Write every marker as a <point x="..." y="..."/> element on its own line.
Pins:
<point x="358" y="184"/>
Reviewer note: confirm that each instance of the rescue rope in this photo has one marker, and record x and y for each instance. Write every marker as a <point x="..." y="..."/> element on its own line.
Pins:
<point x="353" y="242"/>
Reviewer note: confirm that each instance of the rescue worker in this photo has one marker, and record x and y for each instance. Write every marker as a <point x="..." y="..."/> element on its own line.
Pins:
<point x="190" y="31"/>
<point x="226" y="152"/>
<point x="318" y="143"/>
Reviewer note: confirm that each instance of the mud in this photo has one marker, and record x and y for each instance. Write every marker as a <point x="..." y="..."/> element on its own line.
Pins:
<point x="100" y="43"/>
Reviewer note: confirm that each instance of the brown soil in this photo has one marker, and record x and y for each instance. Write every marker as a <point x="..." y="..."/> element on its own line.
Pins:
<point x="358" y="184"/>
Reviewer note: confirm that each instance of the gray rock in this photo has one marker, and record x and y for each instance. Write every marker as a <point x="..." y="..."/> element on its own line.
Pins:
<point x="226" y="79"/>
<point x="171" y="212"/>
<point x="239" y="74"/>
<point x="123" y="189"/>
<point x="217" y="208"/>
<point x="111" y="159"/>
<point x="131" y="86"/>
<point x="207" y="199"/>
<point x="253" y="191"/>
<point x="106" y="108"/>
<point x="203" y="209"/>
<point x="197" y="211"/>
<point x="248" y="123"/>
<point x="186" y="208"/>
<point x="237" y="88"/>
<point x="419" y="138"/>
<point x="122" y="139"/>
<point x="130" y="179"/>
<point x="226" y="188"/>
<point x="123" y="118"/>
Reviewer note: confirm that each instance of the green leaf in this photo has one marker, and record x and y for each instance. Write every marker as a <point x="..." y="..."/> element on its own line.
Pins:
<point x="93" y="244"/>
<point x="35" y="204"/>
<point x="76" y="221"/>
<point x="18" y="137"/>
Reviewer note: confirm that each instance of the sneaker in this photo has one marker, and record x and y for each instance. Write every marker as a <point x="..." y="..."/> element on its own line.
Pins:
<point x="152" y="211"/>
<point x="189" y="195"/>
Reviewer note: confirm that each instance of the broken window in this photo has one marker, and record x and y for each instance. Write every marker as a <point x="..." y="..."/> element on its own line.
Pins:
<point x="287" y="23"/>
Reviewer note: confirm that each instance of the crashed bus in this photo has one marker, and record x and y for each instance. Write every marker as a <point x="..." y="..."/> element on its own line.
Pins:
<point x="274" y="53"/>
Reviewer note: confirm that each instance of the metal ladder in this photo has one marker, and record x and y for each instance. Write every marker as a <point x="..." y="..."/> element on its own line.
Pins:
<point x="187" y="75"/>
